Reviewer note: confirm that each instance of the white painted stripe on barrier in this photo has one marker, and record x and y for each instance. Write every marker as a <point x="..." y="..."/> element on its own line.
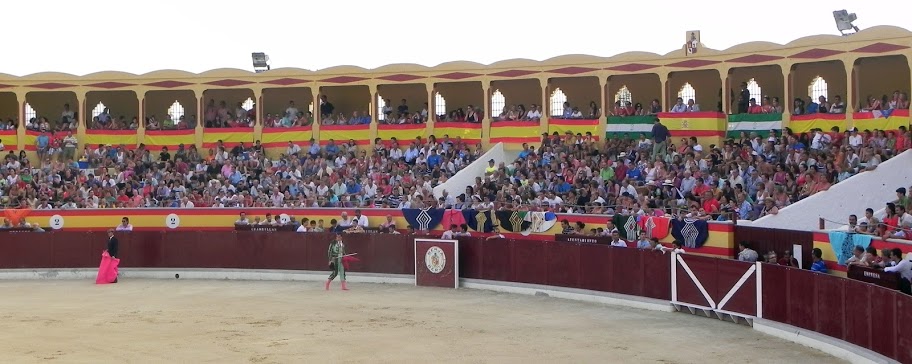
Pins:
<point x="759" y="289"/>
<point x="674" y="277"/>
<point x="737" y="286"/>
<point x="712" y="303"/>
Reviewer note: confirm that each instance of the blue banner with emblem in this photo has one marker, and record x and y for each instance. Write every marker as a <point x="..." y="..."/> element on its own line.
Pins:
<point x="423" y="219"/>
<point x="692" y="232"/>
<point x="844" y="243"/>
<point x="481" y="221"/>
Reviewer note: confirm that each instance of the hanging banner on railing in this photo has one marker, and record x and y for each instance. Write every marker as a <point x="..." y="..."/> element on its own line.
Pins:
<point x="402" y="132"/>
<point x="515" y="133"/>
<point x="629" y="127"/>
<point x="229" y="137"/>
<point x="157" y="139"/>
<point x="761" y="124"/>
<point x="574" y="126"/>
<point x="9" y="139"/>
<point x="696" y="124"/>
<point x="126" y="138"/>
<point x="279" y="137"/>
<point x="470" y="133"/>
<point x="341" y="134"/>
<point x="881" y="119"/>
<point x="825" y="122"/>
<point x="31" y="137"/>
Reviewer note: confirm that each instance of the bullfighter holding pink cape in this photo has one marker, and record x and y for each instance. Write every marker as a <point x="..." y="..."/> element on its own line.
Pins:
<point x="107" y="270"/>
<point x="338" y="261"/>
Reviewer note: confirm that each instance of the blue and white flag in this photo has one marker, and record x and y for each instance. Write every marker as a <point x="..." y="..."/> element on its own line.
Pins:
<point x="844" y="243"/>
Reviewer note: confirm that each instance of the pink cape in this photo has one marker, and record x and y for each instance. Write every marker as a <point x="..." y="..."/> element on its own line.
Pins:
<point x="347" y="261"/>
<point x="107" y="270"/>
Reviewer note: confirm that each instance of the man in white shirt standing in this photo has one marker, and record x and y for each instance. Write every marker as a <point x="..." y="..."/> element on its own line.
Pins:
<point x="359" y="219"/>
<point x="448" y="234"/>
<point x="124" y="225"/>
<point x="291" y="112"/>
<point x="904" y="268"/>
<point x="616" y="240"/>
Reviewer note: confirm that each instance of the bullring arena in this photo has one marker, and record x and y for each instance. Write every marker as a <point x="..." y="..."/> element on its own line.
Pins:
<point x="194" y="286"/>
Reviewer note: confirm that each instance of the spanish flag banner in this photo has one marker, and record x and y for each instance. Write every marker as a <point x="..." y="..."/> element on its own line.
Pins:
<point x="514" y="133"/>
<point x="695" y="124"/>
<point x="881" y="120"/>
<point x="157" y="139"/>
<point x="31" y="137"/>
<point x="127" y="138"/>
<point x="760" y="124"/>
<point x="343" y="133"/>
<point x="9" y="139"/>
<point x="574" y="126"/>
<point x="629" y="127"/>
<point x="825" y="122"/>
<point x="229" y="137"/>
<point x="279" y="137"/>
<point x="470" y="133"/>
<point x="402" y="132"/>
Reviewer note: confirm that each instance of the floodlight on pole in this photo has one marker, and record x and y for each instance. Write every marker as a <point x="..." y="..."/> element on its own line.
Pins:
<point x="260" y="62"/>
<point x="844" y="21"/>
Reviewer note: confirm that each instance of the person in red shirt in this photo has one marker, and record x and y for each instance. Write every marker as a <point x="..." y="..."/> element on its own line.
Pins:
<point x="700" y="187"/>
<point x="710" y="204"/>
<point x="753" y="108"/>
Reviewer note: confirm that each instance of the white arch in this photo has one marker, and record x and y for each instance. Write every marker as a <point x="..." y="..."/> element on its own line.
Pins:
<point x="439" y="104"/>
<point x="687" y="92"/>
<point x="817" y="88"/>
<point x="623" y="95"/>
<point x="755" y="91"/>
<point x="498" y="102"/>
<point x="30" y="112"/>
<point x="176" y="111"/>
<point x="248" y="104"/>
<point x="558" y="98"/>
<point x="381" y="103"/>
<point x="98" y="109"/>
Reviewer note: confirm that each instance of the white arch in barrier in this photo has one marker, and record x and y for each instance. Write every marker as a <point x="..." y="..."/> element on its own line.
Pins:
<point x="826" y="344"/>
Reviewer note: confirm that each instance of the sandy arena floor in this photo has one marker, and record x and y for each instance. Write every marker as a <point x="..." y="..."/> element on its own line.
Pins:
<point x="185" y="321"/>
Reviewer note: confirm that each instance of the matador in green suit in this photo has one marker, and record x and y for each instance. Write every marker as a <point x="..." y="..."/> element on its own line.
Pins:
<point x="335" y="253"/>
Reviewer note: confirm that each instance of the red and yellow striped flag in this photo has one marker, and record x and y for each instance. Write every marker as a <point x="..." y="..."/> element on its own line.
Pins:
<point x="470" y="133"/>
<point x="514" y="133"/>
<point x="695" y="124"/>
<point x="229" y="137"/>
<point x="127" y="138"/>
<point x="574" y="126"/>
<point x="881" y="120"/>
<point x="31" y="138"/>
<point x="343" y="133"/>
<point x="825" y="122"/>
<point x="275" y="140"/>
<point x="157" y="139"/>
<point x="9" y="139"/>
<point x="402" y="132"/>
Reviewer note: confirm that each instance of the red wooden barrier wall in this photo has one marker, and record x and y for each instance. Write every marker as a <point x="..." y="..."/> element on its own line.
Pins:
<point x="863" y="314"/>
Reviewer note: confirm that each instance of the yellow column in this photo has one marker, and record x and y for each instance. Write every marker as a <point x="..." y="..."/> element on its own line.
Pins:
<point x="603" y="126"/>
<point x="852" y="90"/>
<point x="663" y="81"/>
<point x="725" y="74"/>
<point x="432" y="113"/>
<point x="788" y="96"/>
<point x="315" y="127"/>
<point x="257" y="125"/>
<point x="141" y="126"/>
<point x="486" y="121"/>
<point x="373" y="107"/>
<point x="546" y="93"/>
<point x="20" y="130"/>
<point x="83" y="119"/>
<point x="200" y="127"/>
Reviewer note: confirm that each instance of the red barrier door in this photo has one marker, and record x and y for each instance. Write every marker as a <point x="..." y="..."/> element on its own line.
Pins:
<point x="721" y="286"/>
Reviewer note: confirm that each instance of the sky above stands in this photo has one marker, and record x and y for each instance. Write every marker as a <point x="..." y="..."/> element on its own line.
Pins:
<point x="82" y="37"/>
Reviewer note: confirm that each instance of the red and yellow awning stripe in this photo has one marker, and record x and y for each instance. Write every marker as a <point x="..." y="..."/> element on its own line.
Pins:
<point x="470" y="133"/>
<point x="562" y="126"/>
<point x="127" y="138"/>
<point x="402" y="132"/>
<point x="825" y="122"/>
<point x="343" y="133"/>
<point x="515" y="132"/>
<point x="157" y="139"/>
<point x="871" y="121"/>
<point x="229" y="137"/>
<point x="695" y="124"/>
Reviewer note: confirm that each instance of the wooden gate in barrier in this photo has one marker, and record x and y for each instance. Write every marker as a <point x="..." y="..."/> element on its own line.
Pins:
<point x="722" y="288"/>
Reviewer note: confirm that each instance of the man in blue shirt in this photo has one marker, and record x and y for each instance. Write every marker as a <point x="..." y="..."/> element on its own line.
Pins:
<point x="525" y="152"/>
<point x="433" y="160"/>
<point x="812" y="107"/>
<point x="562" y="186"/>
<point x="331" y="149"/>
<point x="314" y="149"/>
<point x="42" y="142"/>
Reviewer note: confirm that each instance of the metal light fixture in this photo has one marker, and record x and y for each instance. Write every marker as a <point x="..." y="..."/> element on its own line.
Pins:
<point x="260" y="62"/>
<point x="844" y="21"/>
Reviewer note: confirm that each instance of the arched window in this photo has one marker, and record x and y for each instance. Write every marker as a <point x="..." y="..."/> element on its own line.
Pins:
<point x="381" y="103"/>
<point x="558" y="98"/>
<point x="498" y="102"/>
<point x="176" y="110"/>
<point x="98" y="109"/>
<point x="248" y="104"/>
<point x="439" y="104"/>
<point x="687" y="93"/>
<point x="817" y="88"/>
<point x="623" y="95"/>
<point x="755" y="91"/>
<point x="310" y="107"/>
<point x="30" y="113"/>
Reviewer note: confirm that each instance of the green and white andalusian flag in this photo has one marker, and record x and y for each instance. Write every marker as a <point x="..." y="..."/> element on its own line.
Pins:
<point x="757" y="123"/>
<point x="630" y="127"/>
